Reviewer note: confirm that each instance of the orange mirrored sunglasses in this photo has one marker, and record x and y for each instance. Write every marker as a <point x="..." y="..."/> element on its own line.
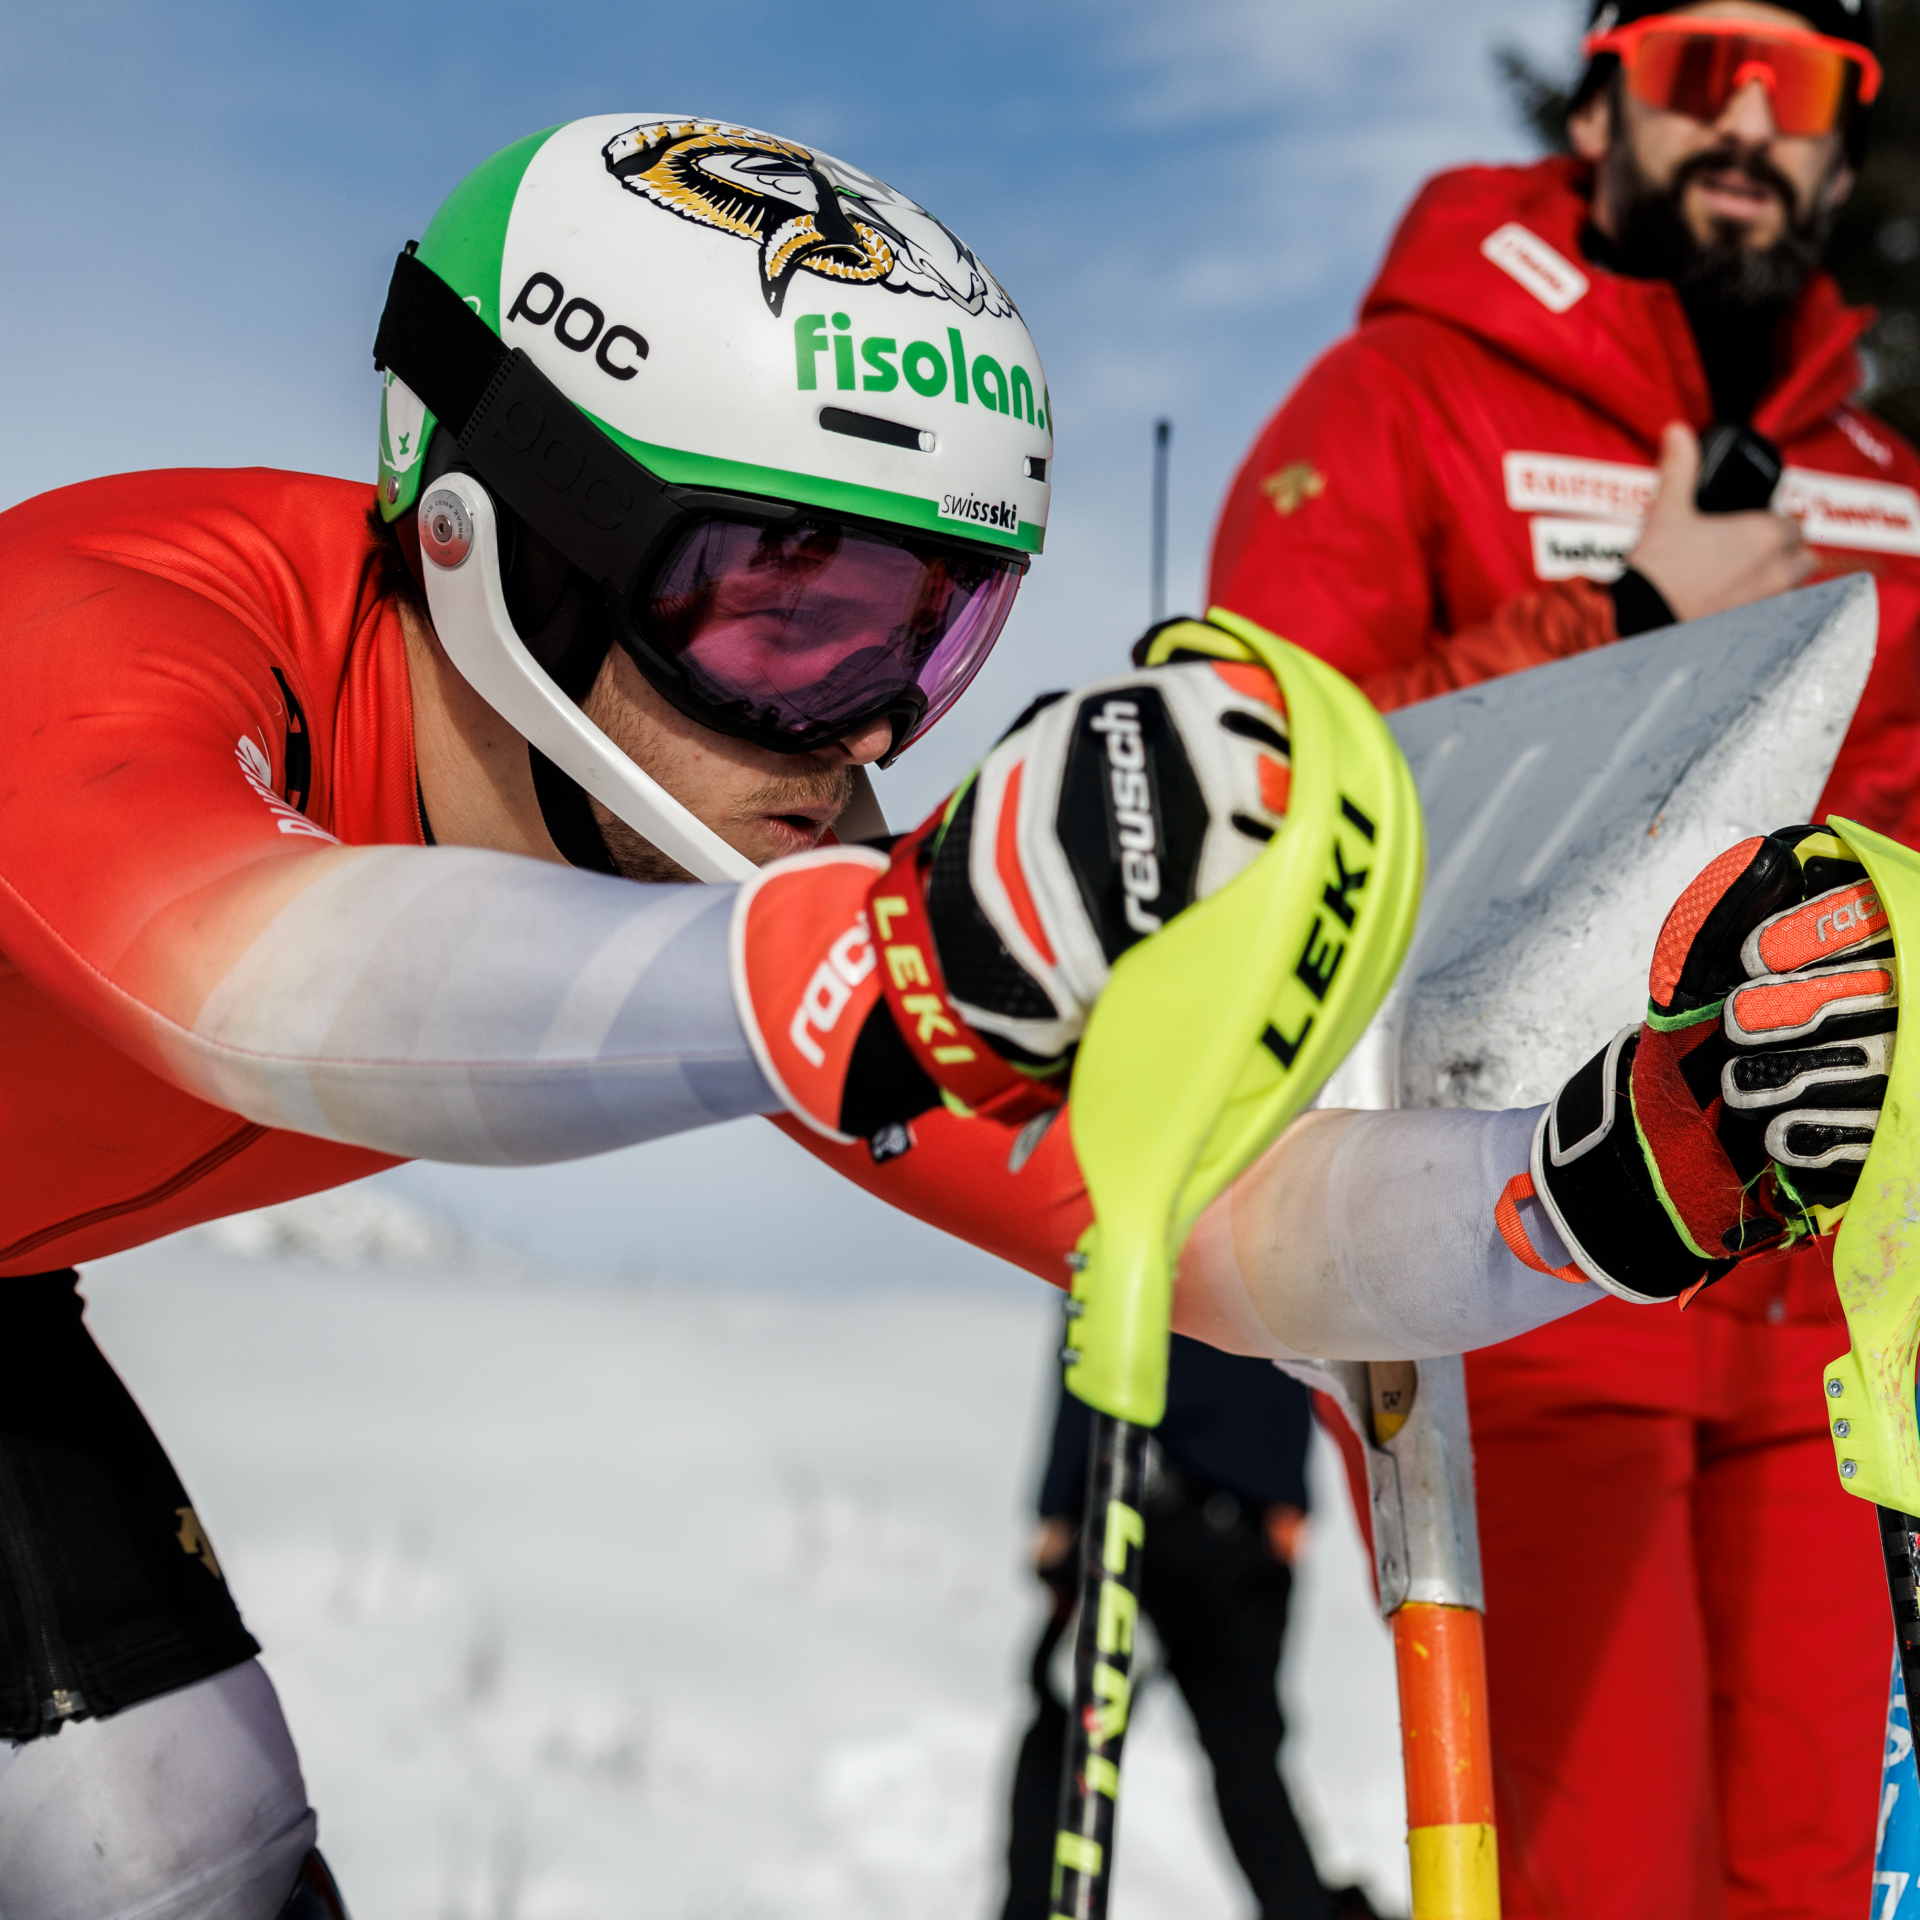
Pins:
<point x="1695" y="67"/>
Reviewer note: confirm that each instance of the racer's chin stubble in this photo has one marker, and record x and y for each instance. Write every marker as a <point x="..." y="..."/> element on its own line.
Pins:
<point x="738" y="823"/>
<point x="714" y="777"/>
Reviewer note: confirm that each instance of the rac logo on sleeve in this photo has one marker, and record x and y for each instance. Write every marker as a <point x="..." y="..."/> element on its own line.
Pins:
<point x="829" y="990"/>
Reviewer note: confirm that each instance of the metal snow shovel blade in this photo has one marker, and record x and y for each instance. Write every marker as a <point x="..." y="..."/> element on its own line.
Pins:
<point x="1210" y="1037"/>
<point x="1567" y="808"/>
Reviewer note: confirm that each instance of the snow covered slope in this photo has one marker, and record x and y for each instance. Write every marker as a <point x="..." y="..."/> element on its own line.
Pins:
<point x="594" y="1601"/>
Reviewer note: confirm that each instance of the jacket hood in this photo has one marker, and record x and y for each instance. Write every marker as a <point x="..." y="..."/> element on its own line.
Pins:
<point x="1495" y="251"/>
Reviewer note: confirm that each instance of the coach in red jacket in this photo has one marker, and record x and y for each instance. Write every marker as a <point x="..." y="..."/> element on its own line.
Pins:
<point x="1686" y="1617"/>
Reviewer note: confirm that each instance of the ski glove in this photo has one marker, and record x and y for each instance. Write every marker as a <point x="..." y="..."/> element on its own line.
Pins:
<point x="1737" y="1117"/>
<point x="962" y="964"/>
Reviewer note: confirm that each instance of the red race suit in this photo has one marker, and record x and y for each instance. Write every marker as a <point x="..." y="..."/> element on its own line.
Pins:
<point x="1686" y="1617"/>
<point x="200" y="673"/>
<point x="203" y="675"/>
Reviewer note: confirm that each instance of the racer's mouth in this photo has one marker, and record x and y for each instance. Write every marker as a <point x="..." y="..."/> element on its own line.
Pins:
<point x="804" y="829"/>
<point x="1731" y="193"/>
<point x="792" y="813"/>
<point x="1736" y="185"/>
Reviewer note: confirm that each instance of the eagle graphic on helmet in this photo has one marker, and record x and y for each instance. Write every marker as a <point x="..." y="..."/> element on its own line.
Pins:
<point x="804" y="210"/>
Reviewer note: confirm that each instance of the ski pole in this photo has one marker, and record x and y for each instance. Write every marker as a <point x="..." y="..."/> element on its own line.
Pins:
<point x="1209" y="1038"/>
<point x="1876" y="1272"/>
<point x="1112" y="1534"/>
<point x="1900" y="1545"/>
<point x="1896" y="1840"/>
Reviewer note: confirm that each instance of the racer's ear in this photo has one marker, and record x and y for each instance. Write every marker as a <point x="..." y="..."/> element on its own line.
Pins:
<point x="1838" y="186"/>
<point x="1590" y="125"/>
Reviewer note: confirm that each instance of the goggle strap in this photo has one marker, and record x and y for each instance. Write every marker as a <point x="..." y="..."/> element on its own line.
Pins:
<point x="437" y="344"/>
<point x="535" y="450"/>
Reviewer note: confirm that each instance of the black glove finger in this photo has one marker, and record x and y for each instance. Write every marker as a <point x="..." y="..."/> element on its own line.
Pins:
<point x="1819" y="1151"/>
<point x="1852" y="1074"/>
<point x="1275" y="763"/>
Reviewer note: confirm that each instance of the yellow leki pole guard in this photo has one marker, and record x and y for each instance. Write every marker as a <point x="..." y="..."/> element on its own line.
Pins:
<point x="1218" y="1030"/>
<point x="1876" y="1259"/>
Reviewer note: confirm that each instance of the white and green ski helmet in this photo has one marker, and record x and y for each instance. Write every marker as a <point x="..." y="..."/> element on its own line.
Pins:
<point x="673" y="345"/>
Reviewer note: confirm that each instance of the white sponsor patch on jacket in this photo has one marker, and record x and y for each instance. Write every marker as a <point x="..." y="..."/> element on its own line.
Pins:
<point x="1873" y="515"/>
<point x="1588" y="489"/>
<point x="1584" y="507"/>
<point x="1580" y="549"/>
<point x="1546" y="273"/>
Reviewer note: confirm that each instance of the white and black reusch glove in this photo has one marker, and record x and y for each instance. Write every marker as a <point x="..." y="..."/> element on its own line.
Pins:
<point x="961" y="965"/>
<point x="1096" y="820"/>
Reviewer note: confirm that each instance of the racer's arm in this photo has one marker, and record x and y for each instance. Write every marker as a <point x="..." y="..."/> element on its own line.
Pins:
<point x="1356" y="1236"/>
<point x="445" y="1002"/>
<point x="1735" y="1120"/>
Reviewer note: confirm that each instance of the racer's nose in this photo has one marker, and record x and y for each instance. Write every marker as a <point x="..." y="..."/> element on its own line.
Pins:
<point x="867" y="744"/>
<point x="1748" y="116"/>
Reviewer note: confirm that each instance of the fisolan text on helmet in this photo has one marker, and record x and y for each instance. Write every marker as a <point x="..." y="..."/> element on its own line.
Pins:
<point x="930" y="373"/>
<point x="927" y="369"/>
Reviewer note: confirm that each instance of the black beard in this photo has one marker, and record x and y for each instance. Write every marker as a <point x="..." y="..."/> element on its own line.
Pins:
<point x="1719" y="279"/>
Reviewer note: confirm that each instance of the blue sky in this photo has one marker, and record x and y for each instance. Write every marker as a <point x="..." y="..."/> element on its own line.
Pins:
<point x="204" y="202"/>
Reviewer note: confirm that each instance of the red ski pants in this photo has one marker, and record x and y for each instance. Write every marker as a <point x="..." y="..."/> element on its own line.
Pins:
<point x="1687" y="1627"/>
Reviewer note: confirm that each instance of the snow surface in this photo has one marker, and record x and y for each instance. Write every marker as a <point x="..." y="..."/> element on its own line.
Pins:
<point x="591" y="1600"/>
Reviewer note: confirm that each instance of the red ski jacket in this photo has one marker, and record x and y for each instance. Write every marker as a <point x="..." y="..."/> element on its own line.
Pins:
<point x="1433" y="504"/>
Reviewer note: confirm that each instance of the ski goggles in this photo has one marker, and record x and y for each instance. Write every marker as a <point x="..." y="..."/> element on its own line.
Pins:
<point x="795" y="631"/>
<point x="1695" y="67"/>
<point x="767" y="621"/>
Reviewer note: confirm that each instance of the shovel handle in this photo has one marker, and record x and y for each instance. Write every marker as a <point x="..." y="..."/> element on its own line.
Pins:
<point x="1440" y="1656"/>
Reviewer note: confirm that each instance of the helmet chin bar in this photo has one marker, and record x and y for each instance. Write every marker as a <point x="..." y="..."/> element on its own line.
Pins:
<point x="462" y="572"/>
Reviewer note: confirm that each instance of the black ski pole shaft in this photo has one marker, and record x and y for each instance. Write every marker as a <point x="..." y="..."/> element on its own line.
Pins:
<point x="1112" y="1536"/>
<point x="1900" y="1543"/>
<point x="1162" y="433"/>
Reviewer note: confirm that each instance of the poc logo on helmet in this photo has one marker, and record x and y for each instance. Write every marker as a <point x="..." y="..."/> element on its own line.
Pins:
<point x="1130" y="810"/>
<point x="578" y="324"/>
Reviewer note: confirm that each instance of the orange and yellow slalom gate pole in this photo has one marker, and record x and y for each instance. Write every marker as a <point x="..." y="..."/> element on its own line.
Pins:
<point x="1427" y="1556"/>
<point x="1440" y="1656"/>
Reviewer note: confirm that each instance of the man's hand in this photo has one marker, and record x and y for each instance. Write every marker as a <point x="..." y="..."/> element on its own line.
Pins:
<point x="1704" y="563"/>
<point x="964" y="966"/>
<point x="1738" y="1116"/>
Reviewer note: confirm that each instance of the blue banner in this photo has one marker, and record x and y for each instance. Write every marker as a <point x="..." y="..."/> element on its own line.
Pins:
<point x="1896" y="1859"/>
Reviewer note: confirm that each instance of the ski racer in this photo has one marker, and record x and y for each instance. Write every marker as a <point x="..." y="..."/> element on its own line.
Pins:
<point x="333" y="829"/>
<point x="1496" y="469"/>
